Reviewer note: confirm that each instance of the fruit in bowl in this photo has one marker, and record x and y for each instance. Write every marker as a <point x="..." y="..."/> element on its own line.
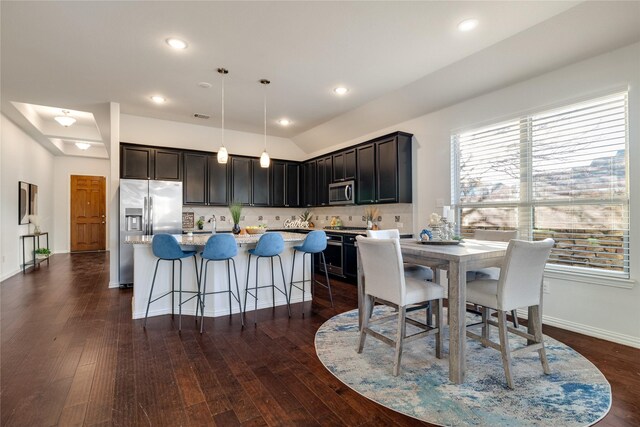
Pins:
<point x="256" y="229"/>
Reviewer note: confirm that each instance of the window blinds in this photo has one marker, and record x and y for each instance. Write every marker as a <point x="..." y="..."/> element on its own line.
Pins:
<point x="560" y="174"/>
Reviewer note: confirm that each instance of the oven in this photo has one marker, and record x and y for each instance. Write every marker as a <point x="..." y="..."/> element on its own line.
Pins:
<point x="333" y="255"/>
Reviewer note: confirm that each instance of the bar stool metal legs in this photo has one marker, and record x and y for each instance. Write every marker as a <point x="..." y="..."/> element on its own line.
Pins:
<point x="312" y="279"/>
<point x="204" y="293"/>
<point x="173" y="290"/>
<point x="253" y="291"/>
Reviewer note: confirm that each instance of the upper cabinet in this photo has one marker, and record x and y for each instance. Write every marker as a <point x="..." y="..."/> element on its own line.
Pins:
<point x="324" y="178"/>
<point x="218" y="181"/>
<point x="260" y="187"/>
<point x="309" y="177"/>
<point x="240" y="180"/>
<point x="384" y="170"/>
<point x="140" y="162"/>
<point x="344" y="165"/>
<point x="285" y="184"/>
<point x="194" y="185"/>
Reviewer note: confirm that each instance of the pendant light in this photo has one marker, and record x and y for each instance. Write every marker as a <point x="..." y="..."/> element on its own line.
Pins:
<point x="264" y="158"/>
<point x="65" y="120"/>
<point x="223" y="155"/>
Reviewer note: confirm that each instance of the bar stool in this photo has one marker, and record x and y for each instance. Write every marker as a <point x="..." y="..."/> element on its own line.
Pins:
<point x="314" y="243"/>
<point x="219" y="247"/>
<point x="269" y="246"/>
<point x="166" y="248"/>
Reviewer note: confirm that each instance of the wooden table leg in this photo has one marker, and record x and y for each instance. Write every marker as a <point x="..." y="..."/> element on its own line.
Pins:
<point x="457" y="324"/>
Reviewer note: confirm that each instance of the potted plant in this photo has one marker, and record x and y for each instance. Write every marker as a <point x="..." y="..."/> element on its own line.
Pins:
<point x="236" y="211"/>
<point x="42" y="253"/>
<point x="307" y="217"/>
<point x="200" y="223"/>
<point x="371" y="215"/>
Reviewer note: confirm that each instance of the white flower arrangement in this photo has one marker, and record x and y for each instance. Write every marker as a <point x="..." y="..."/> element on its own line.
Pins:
<point x="434" y="219"/>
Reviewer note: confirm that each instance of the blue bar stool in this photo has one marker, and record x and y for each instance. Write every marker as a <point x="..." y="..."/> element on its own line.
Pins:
<point x="269" y="246"/>
<point x="219" y="247"/>
<point x="314" y="243"/>
<point x="166" y="248"/>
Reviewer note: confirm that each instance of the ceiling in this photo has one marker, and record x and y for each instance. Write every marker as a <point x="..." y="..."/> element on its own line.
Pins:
<point x="82" y="55"/>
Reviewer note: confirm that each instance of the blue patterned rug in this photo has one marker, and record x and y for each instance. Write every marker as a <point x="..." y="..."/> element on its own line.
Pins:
<point x="575" y="394"/>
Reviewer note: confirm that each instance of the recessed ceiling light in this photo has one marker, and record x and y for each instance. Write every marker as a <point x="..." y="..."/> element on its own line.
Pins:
<point x="65" y="120"/>
<point x="467" y="25"/>
<point x="158" y="99"/>
<point x="340" y="90"/>
<point x="177" y="43"/>
<point x="284" y="122"/>
<point x="83" y="145"/>
<point x="204" y="85"/>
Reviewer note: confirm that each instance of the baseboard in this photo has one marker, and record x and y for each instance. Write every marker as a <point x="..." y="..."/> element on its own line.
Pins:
<point x="10" y="274"/>
<point x="114" y="285"/>
<point x="591" y="331"/>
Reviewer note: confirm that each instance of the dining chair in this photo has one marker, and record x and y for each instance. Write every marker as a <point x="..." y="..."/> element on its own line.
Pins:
<point x="493" y="272"/>
<point x="519" y="286"/>
<point x="387" y="284"/>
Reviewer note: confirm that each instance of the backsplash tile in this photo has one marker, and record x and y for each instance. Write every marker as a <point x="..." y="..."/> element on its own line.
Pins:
<point x="351" y="216"/>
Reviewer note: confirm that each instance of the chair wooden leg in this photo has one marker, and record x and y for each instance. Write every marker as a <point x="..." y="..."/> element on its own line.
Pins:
<point x="514" y="315"/>
<point x="537" y="325"/>
<point x="485" y="325"/>
<point x="365" y="323"/>
<point x="504" y="346"/>
<point x="440" y="326"/>
<point x="402" y="312"/>
<point x="429" y="311"/>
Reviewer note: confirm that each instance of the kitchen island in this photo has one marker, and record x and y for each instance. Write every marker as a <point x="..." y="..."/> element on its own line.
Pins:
<point x="217" y="305"/>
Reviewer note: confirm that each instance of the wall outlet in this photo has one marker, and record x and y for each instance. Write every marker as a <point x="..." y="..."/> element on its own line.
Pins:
<point x="546" y="287"/>
<point x="439" y="203"/>
<point x="399" y="225"/>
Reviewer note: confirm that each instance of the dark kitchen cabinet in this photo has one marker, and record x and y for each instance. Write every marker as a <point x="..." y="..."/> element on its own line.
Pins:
<point x="194" y="184"/>
<point x="344" y="165"/>
<point x="285" y="185"/>
<point x="259" y="184"/>
<point x="140" y="162"/>
<point x="309" y="186"/>
<point x="366" y="175"/>
<point x="384" y="170"/>
<point x="167" y="164"/>
<point x="324" y="178"/>
<point x="240" y="180"/>
<point x="218" y="182"/>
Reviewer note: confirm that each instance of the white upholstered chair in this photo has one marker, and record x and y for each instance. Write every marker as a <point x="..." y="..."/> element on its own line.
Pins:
<point x="519" y="286"/>
<point x="493" y="272"/>
<point x="386" y="283"/>
<point x="414" y="271"/>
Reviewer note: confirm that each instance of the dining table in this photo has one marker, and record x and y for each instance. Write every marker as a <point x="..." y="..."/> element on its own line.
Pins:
<point x="456" y="258"/>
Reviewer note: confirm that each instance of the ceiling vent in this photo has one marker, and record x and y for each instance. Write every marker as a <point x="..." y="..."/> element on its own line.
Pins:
<point x="201" y="116"/>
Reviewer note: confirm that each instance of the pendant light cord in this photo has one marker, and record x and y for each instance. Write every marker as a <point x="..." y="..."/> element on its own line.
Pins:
<point x="265" y="117"/>
<point x="223" y="110"/>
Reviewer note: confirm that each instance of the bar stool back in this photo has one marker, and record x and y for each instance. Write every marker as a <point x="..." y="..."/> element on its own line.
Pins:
<point x="314" y="243"/>
<point x="219" y="247"/>
<point x="166" y="248"/>
<point x="269" y="246"/>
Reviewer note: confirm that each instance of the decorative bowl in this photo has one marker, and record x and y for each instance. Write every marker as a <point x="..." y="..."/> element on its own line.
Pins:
<point x="257" y="230"/>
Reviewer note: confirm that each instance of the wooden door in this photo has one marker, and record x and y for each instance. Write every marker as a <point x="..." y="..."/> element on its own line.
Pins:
<point x="88" y="213"/>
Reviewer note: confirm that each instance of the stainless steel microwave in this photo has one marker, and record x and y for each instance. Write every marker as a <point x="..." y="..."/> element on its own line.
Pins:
<point x="342" y="193"/>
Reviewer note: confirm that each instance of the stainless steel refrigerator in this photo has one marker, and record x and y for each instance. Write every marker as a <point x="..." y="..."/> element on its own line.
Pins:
<point x="146" y="208"/>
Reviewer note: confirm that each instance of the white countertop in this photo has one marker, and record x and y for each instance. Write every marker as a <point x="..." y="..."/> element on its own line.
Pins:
<point x="201" y="239"/>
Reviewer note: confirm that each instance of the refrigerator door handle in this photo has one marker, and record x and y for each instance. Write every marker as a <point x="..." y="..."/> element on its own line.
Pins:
<point x="151" y="215"/>
<point x="145" y="224"/>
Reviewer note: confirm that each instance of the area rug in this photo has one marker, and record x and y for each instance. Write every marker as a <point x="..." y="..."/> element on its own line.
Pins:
<point x="574" y="394"/>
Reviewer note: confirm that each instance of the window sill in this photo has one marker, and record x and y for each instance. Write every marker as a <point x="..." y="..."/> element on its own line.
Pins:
<point x="590" y="278"/>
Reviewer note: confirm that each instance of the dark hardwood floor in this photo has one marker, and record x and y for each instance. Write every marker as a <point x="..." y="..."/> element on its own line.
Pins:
<point x="71" y="355"/>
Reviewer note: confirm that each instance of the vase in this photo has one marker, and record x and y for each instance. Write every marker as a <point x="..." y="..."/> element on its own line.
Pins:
<point x="369" y="225"/>
<point x="36" y="229"/>
<point x="236" y="228"/>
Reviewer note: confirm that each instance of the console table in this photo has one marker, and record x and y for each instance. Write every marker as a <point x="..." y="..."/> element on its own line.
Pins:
<point x="36" y="245"/>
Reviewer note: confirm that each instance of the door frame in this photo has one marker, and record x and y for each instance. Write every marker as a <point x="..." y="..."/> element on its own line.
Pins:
<point x="106" y="208"/>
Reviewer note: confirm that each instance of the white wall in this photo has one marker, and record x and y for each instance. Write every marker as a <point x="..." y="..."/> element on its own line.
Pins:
<point x="595" y="309"/>
<point x="64" y="167"/>
<point x="144" y="130"/>
<point x="21" y="159"/>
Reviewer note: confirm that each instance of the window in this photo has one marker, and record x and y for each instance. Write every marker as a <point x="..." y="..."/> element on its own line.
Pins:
<point x="560" y="174"/>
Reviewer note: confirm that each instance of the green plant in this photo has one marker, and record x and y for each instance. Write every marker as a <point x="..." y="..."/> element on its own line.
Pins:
<point x="236" y="211"/>
<point x="200" y="222"/>
<point x="43" y="251"/>
<point x="306" y="216"/>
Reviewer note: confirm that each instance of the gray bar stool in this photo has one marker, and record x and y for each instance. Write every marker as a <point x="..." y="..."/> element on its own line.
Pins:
<point x="219" y="247"/>
<point x="166" y="248"/>
<point x="314" y="243"/>
<point x="269" y="246"/>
